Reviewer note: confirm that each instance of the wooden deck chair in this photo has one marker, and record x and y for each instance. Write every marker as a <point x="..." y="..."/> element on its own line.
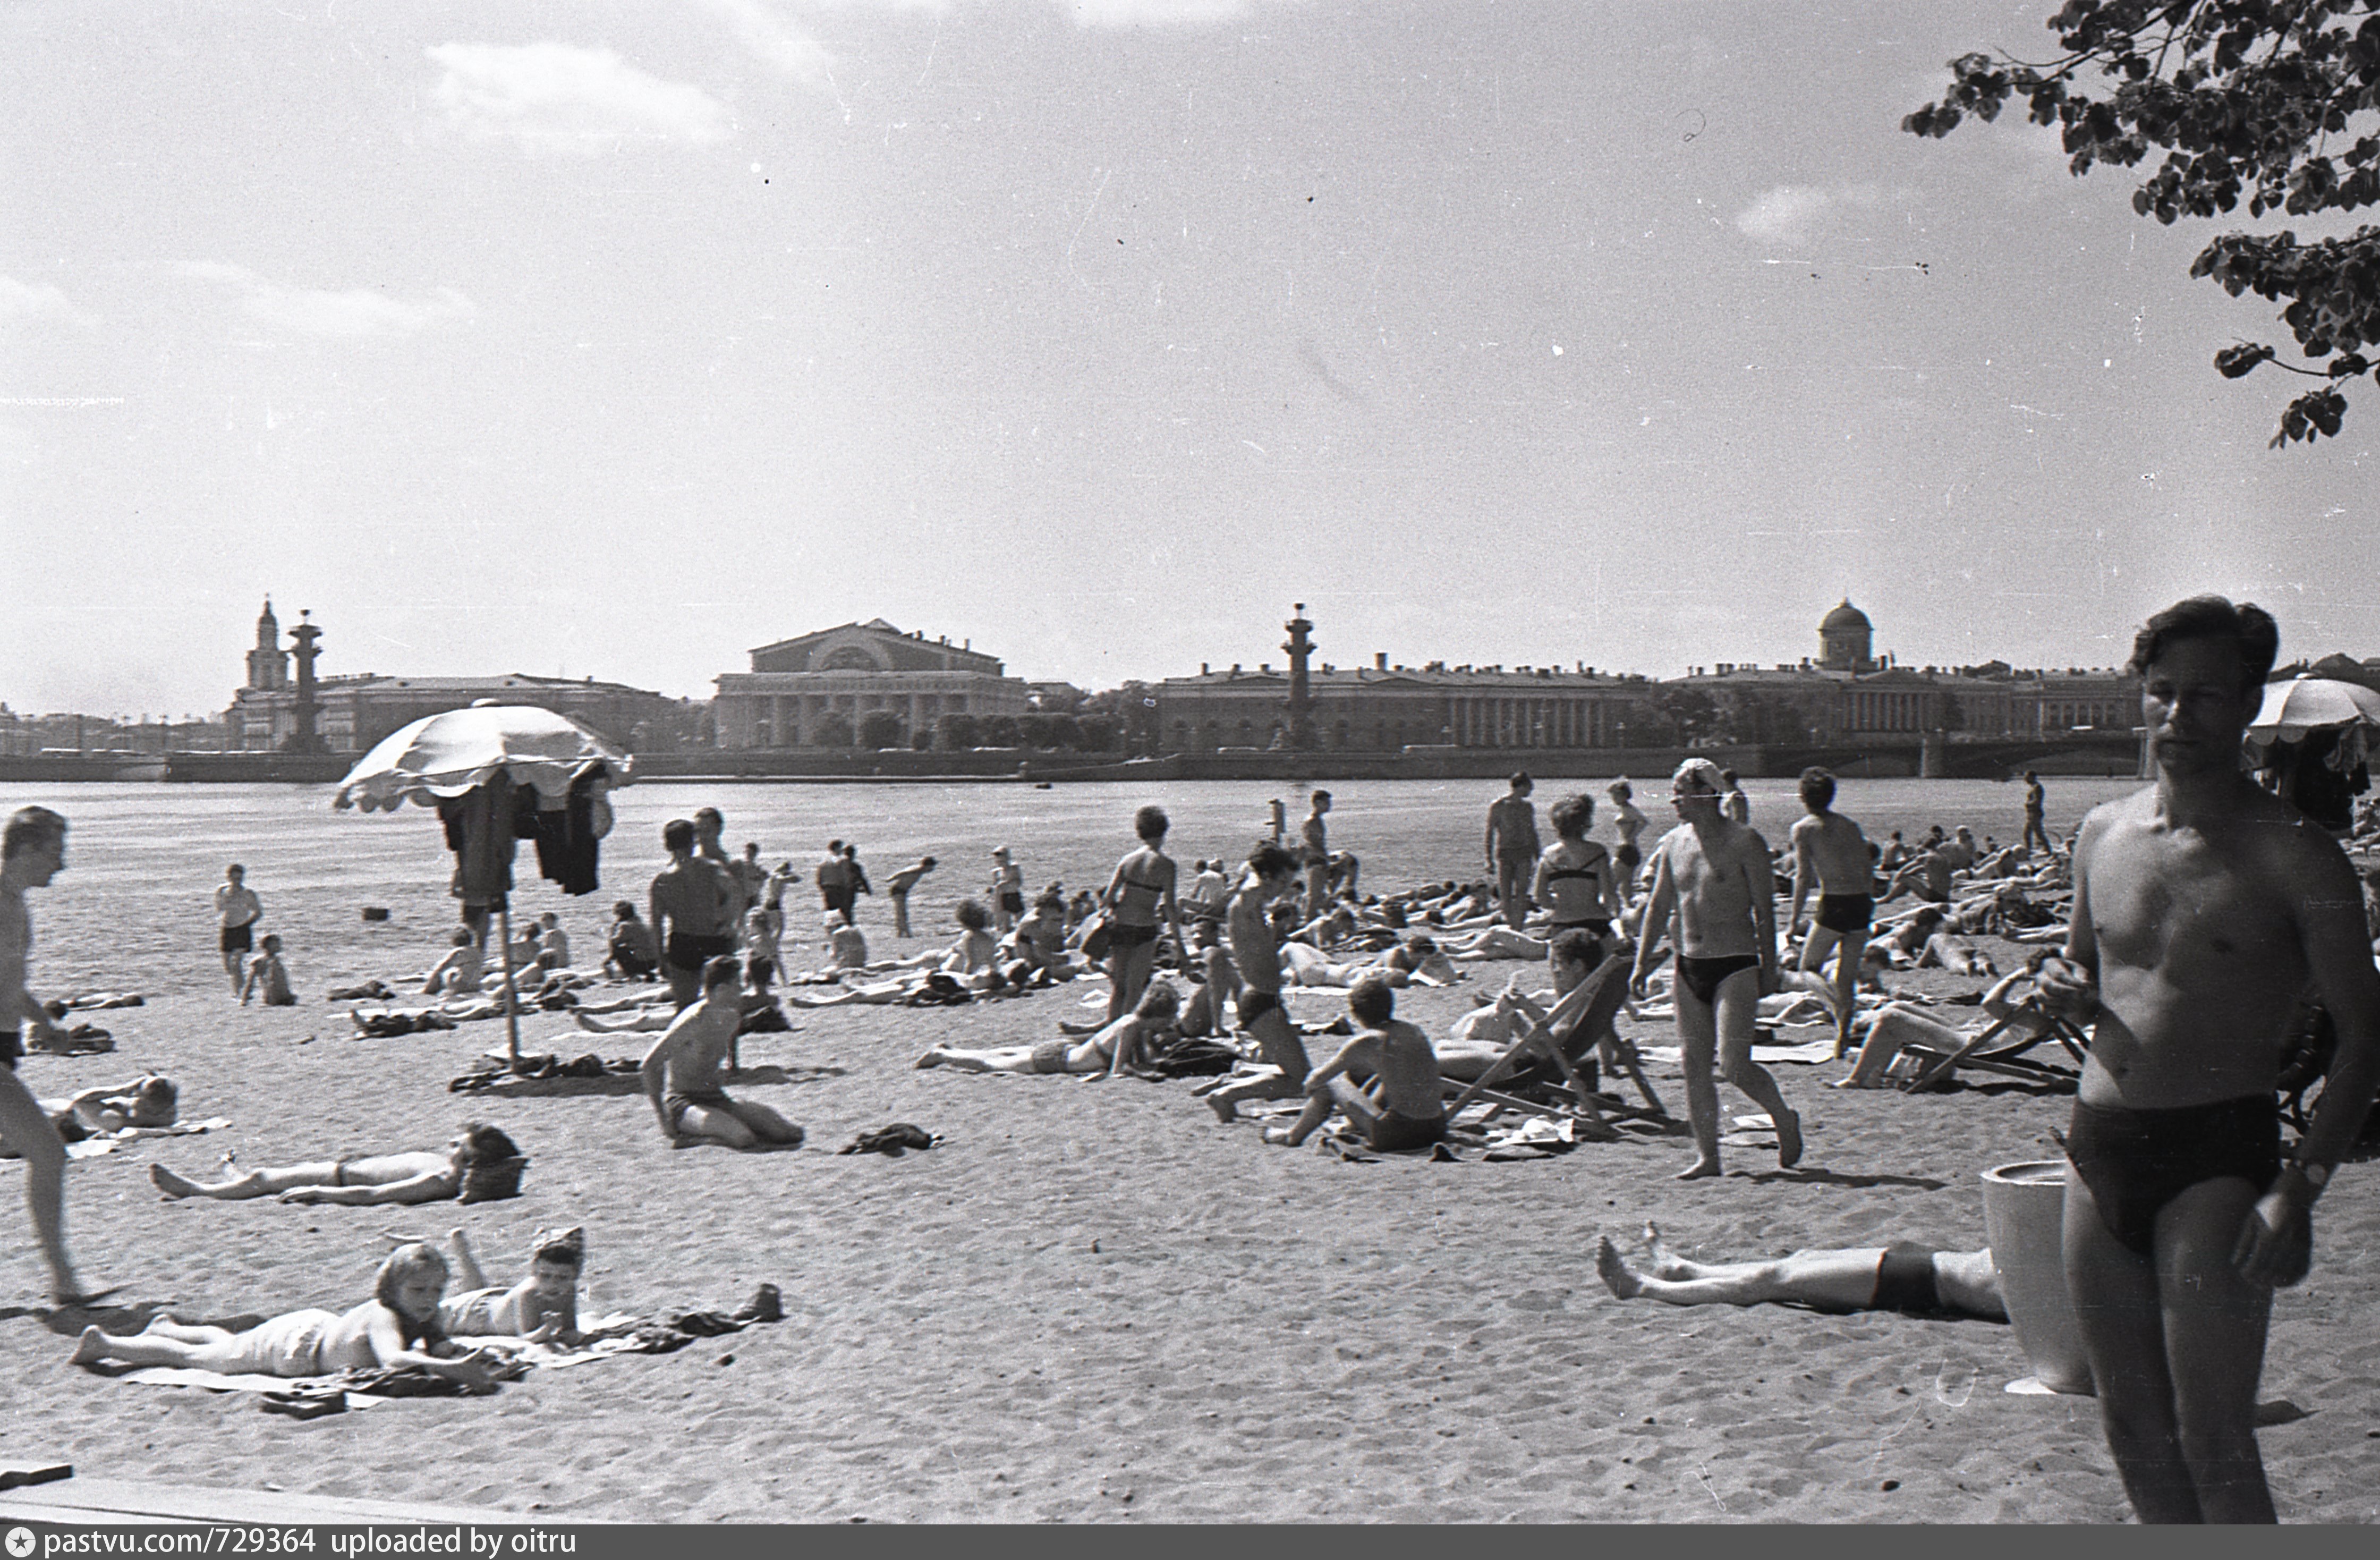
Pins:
<point x="2006" y="1057"/>
<point x="1575" y="1015"/>
<point x="1596" y="1028"/>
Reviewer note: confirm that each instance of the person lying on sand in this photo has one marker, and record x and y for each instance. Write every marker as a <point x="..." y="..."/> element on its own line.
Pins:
<point x="1905" y="1276"/>
<point x="398" y="1326"/>
<point x="146" y="1101"/>
<point x="1402" y="1108"/>
<point x="543" y="1305"/>
<point x="1492" y="942"/>
<point x="682" y="1074"/>
<point x="1415" y="958"/>
<point x="422" y="1177"/>
<point x="1116" y="1048"/>
<point x="1898" y="1025"/>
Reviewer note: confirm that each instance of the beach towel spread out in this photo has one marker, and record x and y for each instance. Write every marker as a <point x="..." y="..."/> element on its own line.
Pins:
<point x="108" y="1143"/>
<point x="892" y="1142"/>
<point x="308" y="1397"/>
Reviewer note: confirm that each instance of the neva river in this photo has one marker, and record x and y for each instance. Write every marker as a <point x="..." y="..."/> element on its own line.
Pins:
<point x="133" y="909"/>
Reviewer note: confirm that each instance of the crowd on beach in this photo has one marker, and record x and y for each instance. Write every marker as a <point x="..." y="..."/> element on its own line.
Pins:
<point x="2173" y="941"/>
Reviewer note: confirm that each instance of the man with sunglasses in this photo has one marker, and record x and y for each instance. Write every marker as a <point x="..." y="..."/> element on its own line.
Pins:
<point x="1715" y="897"/>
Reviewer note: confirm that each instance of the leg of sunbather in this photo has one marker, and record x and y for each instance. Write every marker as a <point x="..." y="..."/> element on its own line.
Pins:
<point x="468" y="1276"/>
<point x="1897" y="1026"/>
<point x="642" y="1023"/>
<point x="255" y="1183"/>
<point x="1835" y="1280"/>
<point x="710" y="1123"/>
<point x="765" y="1125"/>
<point x="1339" y="1094"/>
<point x="884" y="991"/>
<point x="1737" y="1013"/>
<point x="998" y="1058"/>
<point x="1493" y="943"/>
<point x="24" y="1128"/>
<point x="1286" y="1062"/>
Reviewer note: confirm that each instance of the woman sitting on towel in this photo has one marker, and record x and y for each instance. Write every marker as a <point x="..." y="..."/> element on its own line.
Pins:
<point x="398" y="1326"/>
<point x="1114" y="1049"/>
<point x="1904" y="1276"/>
<point x="389" y="1178"/>
<point x="543" y="1305"/>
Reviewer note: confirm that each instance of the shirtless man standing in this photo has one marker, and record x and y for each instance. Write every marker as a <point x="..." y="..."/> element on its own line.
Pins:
<point x="237" y="909"/>
<point x="32" y="851"/>
<point x="1627" y="822"/>
<point x="1831" y="854"/>
<point x="1713" y="877"/>
<point x="1248" y="929"/>
<point x="682" y="1075"/>
<point x="2206" y="911"/>
<point x="2036" y="813"/>
<point x="693" y="911"/>
<point x="1316" y="855"/>
<point x="1512" y="848"/>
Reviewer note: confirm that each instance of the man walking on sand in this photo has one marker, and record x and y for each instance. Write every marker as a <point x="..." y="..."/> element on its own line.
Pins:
<point x="2036" y="814"/>
<point x="1714" y="893"/>
<point x="2206" y="911"/>
<point x="1514" y="848"/>
<point x="1831" y="854"/>
<point x="237" y="909"/>
<point x="32" y="851"/>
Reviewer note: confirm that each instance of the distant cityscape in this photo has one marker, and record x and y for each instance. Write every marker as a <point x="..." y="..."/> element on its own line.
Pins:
<point x="867" y="687"/>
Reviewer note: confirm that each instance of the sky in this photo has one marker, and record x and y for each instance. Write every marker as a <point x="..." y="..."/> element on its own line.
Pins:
<point x="620" y="339"/>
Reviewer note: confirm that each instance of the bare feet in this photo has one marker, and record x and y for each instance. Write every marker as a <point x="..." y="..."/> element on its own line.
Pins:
<point x="1789" y="1139"/>
<point x="1658" y="1258"/>
<point x="91" y="1347"/>
<point x="1700" y="1170"/>
<point x="164" y="1180"/>
<point x="931" y="1059"/>
<point x="1281" y="1135"/>
<point x="1617" y="1276"/>
<point x="1225" y="1111"/>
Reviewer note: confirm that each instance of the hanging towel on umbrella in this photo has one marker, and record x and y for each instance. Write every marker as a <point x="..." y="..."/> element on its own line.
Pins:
<point x="479" y="832"/>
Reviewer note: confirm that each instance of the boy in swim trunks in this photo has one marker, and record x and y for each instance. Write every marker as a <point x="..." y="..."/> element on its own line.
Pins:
<point x="1832" y="855"/>
<point x="1512" y="848"/>
<point x="681" y="1073"/>
<point x="32" y="851"/>
<point x="1714" y="892"/>
<point x="1403" y="1105"/>
<point x="693" y="911"/>
<point x="237" y="909"/>
<point x="1257" y="959"/>
<point x="2206" y="909"/>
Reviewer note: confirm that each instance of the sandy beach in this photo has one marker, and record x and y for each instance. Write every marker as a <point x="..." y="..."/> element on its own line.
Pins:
<point x="1093" y="1303"/>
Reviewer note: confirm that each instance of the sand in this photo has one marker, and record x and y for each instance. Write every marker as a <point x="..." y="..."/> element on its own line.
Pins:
<point x="1093" y="1303"/>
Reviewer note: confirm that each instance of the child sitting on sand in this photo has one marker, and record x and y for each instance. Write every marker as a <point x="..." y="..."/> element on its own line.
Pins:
<point x="1117" y="1048"/>
<point x="398" y="1326"/>
<point x="630" y="952"/>
<point x="394" y="1177"/>
<point x="459" y="974"/>
<point x="267" y="974"/>
<point x="846" y="945"/>
<point x="552" y="942"/>
<point x="543" y="1305"/>
<point x="1404" y="1107"/>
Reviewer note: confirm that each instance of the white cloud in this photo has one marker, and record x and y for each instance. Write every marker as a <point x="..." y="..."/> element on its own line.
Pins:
<point x="777" y="42"/>
<point x="558" y="97"/>
<point x="355" y="314"/>
<point x="35" y="301"/>
<point x="1795" y="215"/>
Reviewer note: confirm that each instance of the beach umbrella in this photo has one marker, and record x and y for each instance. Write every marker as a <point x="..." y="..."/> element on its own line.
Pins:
<point x="476" y="757"/>
<point x="2302" y="705"/>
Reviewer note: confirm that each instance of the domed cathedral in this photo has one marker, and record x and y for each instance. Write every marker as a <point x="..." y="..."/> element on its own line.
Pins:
<point x="1846" y="640"/>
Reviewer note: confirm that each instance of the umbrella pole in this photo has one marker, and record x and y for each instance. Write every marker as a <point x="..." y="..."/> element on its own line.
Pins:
<point x="512" y="1007"/>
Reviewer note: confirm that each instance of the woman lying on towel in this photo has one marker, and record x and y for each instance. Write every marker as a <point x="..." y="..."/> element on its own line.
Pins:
<point x="1904" y="1276"/>
<point x="543" y="1305"/>
<point x="1115" y="1049"/>
<point x="398" y="1326"/>
<point x="390" y="1177"/>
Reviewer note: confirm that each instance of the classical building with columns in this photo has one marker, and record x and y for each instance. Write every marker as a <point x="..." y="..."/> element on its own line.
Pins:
<point x="815" y="691"/>
<point x="1383" y="708"/>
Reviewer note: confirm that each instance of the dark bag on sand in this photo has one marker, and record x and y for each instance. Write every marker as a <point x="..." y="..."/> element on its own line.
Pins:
<point x="1095" y="937"/>
<point x="493" y="1182"/>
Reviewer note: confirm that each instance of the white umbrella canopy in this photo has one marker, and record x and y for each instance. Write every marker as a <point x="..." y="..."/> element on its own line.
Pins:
<point x="449" y="754"/>
<point x="2293" y="708"/>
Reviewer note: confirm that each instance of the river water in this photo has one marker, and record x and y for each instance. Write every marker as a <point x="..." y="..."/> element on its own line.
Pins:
<point x="133" y="909"/>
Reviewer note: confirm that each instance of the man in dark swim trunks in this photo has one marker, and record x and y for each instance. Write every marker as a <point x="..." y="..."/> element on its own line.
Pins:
<point x="1913" y="1279"/>
<point x="1512" y="848"/>
<point x="2037" y="813"/>
<point x="32" y="851"/>
<point x="693" y="911"/>
<point x="1832" y="855"/>
<point x="1713" y="879"/>
<point x="1271" y="871"/>
<point x="2205" y="910"/>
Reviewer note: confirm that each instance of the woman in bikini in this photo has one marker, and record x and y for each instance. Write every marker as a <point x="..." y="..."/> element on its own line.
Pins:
<point x="1141" y="889"/>
<point x="388" y="1178"/>
<point x="1118" y="1048"/>
<point x="543" y="1305"/>
<point x="1574" y="876"/>
<point x="398" y="1326"/>
<point x="1628" y="822"/>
